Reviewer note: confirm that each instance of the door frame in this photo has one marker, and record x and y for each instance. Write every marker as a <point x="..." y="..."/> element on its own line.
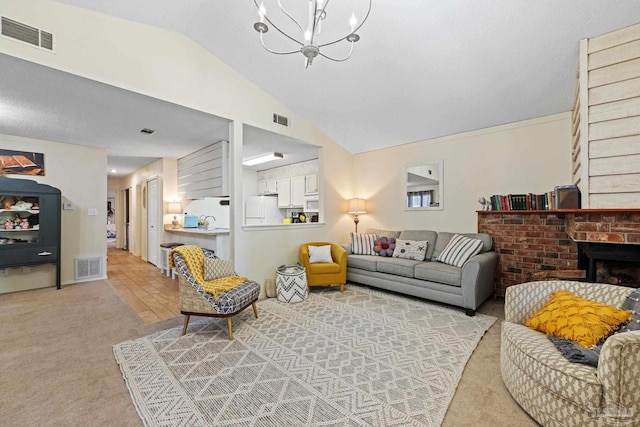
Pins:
<point x="150" y="214"/>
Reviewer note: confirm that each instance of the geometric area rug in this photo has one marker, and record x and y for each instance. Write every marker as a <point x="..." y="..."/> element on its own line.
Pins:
<point x="360" y="358"/>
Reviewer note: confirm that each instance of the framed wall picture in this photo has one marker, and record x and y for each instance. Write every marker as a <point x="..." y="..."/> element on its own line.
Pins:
<point x="21" y="162"/>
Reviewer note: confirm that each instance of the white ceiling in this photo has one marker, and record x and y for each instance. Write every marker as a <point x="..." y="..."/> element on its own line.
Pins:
<point x="422" y="69"/>
<point x="48" y="104"/>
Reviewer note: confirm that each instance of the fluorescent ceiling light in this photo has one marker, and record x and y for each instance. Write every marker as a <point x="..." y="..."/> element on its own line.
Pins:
<point x="262" y="159"/>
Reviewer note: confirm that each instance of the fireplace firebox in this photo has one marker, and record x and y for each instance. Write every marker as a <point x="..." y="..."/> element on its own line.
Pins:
<point x="590" y="253"/>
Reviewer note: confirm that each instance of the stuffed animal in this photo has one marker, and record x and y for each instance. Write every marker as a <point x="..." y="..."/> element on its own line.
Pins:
<point x="385" y="246"/>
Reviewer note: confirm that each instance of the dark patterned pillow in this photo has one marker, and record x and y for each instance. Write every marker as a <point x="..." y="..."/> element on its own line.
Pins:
<point x="632" y="303"/>
<point x="216" y="268"/>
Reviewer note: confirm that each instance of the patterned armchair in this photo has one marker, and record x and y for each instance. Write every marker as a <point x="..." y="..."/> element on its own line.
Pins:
<point x="194" y="301"/>
<point x="554" y="391"/>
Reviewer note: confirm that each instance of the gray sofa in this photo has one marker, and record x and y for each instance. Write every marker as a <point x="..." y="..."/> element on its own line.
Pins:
<point x="465" y="287"/>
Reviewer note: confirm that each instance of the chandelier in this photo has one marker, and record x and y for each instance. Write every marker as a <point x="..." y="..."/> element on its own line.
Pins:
<point x="308" y="37"/>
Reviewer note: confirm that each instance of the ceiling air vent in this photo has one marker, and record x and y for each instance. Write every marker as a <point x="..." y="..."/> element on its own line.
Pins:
<point x="24" y="33"/>
<point x="281" y="120"/>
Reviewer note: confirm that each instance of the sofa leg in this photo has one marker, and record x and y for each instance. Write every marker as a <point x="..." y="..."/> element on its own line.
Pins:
<point x="469" y="312"/>
<point x="342" y="287"/>
<point x="255" y="309"/>
<point x="186" y="323"/>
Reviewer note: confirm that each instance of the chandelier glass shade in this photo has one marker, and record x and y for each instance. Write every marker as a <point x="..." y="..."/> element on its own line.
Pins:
<point x="302" y="27"/>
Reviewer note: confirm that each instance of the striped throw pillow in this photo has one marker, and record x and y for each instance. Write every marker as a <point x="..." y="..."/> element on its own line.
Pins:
<point x="459" y="250"/>
<point x="362" y="244"/>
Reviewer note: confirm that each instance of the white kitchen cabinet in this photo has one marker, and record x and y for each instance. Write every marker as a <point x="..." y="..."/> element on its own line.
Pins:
<point x="284" y="192"/>
<point x="297" y="191"/>
<point x="311" y="184"/>
<point x="262" y="186"/>
<point x="291" y="192"/>
<point x="267" y="186"/>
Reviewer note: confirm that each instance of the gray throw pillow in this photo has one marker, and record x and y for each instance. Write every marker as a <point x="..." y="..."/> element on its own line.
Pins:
<point x="575" y="353"/>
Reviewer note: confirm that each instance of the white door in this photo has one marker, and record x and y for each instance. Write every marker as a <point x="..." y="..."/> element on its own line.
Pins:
<point x="152" y="221"/>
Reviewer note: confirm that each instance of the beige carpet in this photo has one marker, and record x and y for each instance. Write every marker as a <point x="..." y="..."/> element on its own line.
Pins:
<point x="58" y="367"/>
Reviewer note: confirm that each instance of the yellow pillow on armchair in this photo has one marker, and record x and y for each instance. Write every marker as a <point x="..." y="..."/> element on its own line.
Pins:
<point x="580" y="320"/>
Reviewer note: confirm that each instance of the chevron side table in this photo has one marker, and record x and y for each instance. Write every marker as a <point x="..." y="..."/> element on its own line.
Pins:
<point x="291" y="283"/>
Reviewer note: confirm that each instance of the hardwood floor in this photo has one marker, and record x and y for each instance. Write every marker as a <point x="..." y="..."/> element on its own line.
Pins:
<point x="151" y="294"/>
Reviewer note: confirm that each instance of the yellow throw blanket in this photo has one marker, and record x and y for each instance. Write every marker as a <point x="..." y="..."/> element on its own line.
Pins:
<point x="194" y="258"/>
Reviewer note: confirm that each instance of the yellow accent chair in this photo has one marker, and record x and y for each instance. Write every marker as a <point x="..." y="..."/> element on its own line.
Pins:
<point x="325" y="273"/>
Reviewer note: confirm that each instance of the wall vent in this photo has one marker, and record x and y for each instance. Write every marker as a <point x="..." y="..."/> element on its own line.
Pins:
<point x="19" y="31"/>
<point x="88" y="268"/>
<point x="281" y="120"/>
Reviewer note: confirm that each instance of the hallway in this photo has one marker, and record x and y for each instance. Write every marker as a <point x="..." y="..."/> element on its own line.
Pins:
<point x="151" y="294"/>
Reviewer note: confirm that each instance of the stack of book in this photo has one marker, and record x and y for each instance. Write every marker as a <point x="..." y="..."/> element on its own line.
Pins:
<point x="523" y="202"/>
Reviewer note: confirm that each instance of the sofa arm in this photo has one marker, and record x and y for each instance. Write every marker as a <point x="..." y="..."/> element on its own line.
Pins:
<point x="347" y="248"/>
<point x="478" y="279"/>
<point x="619" y="374"/>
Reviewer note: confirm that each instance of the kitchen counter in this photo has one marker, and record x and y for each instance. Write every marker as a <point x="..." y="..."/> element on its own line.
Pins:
<point x="216" y="239"/>
<point x="198" y="231"/>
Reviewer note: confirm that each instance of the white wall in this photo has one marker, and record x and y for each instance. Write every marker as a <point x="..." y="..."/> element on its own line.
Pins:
<point x="81" y="175"/>
<point x="531" y="156"/>
<point x="527" y="157"/>
<point x="209" y="206"/>
<point x="137" y="181"/>
<point x="110" y="50"/>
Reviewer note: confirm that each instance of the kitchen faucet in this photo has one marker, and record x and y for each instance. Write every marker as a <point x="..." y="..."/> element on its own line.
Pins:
<point x="205" y="222"/>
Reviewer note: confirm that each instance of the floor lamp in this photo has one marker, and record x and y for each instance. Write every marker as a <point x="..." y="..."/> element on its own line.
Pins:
<point x="357" y="207"/>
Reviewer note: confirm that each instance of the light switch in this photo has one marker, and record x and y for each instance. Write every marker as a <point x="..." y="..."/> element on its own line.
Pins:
<point x="67" y="206"/>
<point x="92" y="212"/>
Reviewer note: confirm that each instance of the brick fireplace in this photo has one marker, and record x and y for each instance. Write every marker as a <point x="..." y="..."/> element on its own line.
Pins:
<point x="531" y="241"/>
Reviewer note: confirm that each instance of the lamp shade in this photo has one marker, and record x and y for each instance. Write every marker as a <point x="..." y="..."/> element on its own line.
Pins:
<point x="357" y="206"/>
<point x="174" y="208"/>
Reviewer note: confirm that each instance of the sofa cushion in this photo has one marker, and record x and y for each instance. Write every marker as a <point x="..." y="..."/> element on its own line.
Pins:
<point x="362" y="244"/>
<point x="397" y="266"/>
<point x="580" y="320"/>
<point x="459" y="250"/>
<point x="538" y="359"/>
<point x="439" y="273"/>
<point x="410" y="249"/>
<point x="426" y="235"/>
<point x="324" y="268"/>
<point x="444" y="237"/>
<point x="363" y="262"/>
<point x="319" y="254"/>
<point x="384" y="233"/>
<point x="215" y="268"/>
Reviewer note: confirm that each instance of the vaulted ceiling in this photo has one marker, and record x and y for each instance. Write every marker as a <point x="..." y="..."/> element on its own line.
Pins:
<point x="422" y="68"/>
